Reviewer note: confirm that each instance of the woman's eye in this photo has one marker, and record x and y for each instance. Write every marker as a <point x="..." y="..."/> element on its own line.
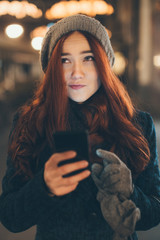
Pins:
<point x="65" y="60"/>
<point x="89" y="58"/>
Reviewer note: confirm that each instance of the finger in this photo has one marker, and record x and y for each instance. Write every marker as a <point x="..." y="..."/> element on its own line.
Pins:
<point x="126" y="208"/>
<point x="130" y="221"/>
<point x="96" y="172"/>
<point x="76" y="178"/>
<point x="97" y="181"/>
<point x="96" y="169"/>
<point x="58" y="157"/>
<point x="62" y="190"/>
<point x="71" y="167"/>
<point x="129" y="205"/>
<point x="108" y="157"/>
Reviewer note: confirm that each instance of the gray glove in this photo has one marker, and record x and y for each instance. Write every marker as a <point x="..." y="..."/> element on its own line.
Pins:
<point x="119" y="212"/>
<point x="120" y="215"/>
<point x="116" y="176"/>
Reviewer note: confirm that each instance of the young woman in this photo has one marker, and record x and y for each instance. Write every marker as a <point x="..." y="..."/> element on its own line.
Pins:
<point x="121" y="192"/>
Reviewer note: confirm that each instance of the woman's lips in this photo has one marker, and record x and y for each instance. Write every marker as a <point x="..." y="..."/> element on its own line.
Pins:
<point x="76" y="87"/>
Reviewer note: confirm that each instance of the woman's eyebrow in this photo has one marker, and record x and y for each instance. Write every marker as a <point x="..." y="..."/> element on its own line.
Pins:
<point x="64" y="54"/>
<point x="87" y="51"/>
<point x="83" y="52"/>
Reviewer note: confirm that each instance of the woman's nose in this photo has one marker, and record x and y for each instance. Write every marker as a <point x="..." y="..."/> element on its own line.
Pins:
<point x="77" y="71"/>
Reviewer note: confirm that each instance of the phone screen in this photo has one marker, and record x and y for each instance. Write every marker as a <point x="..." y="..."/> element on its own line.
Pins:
<point x="72" y="140"/>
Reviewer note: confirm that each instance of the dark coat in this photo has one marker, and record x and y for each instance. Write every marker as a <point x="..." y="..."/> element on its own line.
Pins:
<point x="77" y="215"/>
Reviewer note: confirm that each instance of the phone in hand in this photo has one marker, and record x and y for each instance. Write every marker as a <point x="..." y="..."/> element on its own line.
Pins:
<point x="72" y="140"/>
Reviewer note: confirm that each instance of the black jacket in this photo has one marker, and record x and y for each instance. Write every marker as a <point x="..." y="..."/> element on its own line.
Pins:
<point x="77" y="215"/>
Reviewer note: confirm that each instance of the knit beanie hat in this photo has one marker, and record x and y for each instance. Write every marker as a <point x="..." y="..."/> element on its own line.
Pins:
<point x="75" y="23"/>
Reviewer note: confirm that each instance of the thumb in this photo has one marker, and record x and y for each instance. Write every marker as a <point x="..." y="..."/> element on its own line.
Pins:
<point x="96" y="169"/>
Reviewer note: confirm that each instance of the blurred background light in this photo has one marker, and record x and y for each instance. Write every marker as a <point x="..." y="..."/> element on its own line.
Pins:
<point x="120" y="63"/>
<point x="89" y="7"/>
<point x="19" y="9"/>
<point x="37" y="36"/>
<point x="37" y="43"/>
<point x="14" y="30"/>
<point x="39" y="32"/>
<point x="156" y="61"/>
<point x="109" y="32"/>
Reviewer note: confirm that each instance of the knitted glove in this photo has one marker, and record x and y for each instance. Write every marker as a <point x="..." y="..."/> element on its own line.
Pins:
<point x="120" y="215"/>
<point x="116" y="176"/>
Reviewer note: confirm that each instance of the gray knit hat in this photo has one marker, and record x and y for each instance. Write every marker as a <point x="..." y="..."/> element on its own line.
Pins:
<point x="73" y="23"/>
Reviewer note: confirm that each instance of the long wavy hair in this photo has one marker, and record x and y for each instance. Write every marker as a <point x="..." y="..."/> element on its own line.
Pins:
<point x="47" y="112"/>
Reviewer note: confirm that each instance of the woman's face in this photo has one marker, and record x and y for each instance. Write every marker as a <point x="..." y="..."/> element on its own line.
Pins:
<point x="79" y="68"/>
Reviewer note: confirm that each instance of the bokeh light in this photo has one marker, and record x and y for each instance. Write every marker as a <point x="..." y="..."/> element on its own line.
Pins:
<point x="14" y="30"/>
<point x="37" y="43"/>
<point x="156" y="61"/>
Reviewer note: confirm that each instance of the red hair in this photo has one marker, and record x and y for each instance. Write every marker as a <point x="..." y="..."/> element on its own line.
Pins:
<point x="47" y="113"/>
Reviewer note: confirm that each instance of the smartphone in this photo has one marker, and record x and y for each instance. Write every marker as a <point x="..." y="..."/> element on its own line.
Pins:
<point x="72" y="140"/>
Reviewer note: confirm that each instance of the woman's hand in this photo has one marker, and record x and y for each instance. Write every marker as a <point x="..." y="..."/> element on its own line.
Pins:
<point x="114" y="177"/>
<point x="122" y="216"/>
<point x="114" y="182"/>
<point x="53" y="174"/>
